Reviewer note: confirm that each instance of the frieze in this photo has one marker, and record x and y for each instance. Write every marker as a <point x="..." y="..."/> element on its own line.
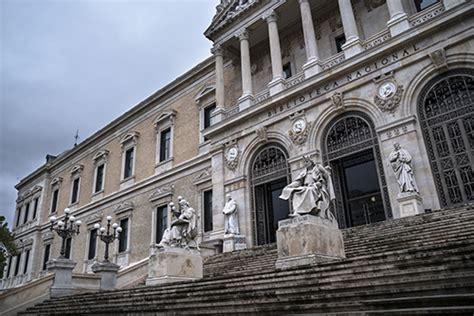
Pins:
<point x="234" y="186"/>
<point x="47" y="236"/>
<point x="123" y="207"/>
<point x="203" y="176"/>
<point x="335" y="84"/>
<point x="93" y="218"/>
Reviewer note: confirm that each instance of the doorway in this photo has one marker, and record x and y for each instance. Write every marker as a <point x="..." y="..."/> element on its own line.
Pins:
<point x="352" y="152"/>
<point x="269" y="175"/>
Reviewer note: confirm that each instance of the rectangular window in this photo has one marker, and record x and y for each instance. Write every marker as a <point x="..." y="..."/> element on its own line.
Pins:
<point x="128" y="166"/>
<point x="68" y="248"/>
<point x="208" y="210"/>
<point x="161" y="222"/>
<point x="54" y="203"/>
<point x="207" y="115"/>
<point x="92" y="244"/>
<point x="9" y="268"/>
<point x="123" y="237"/>
<point x="75" y="190"/>
<point x="340" y="40"/>
<point x="27" y="258"/>
<point x="35" y="207"/>
<point x="423" y="4"/>
<point x="17" y="264"/>
<point x="99" y="178"/>
<point x="27" y="212"/>
<point x="18" y="218"/>
<point x="165" y="144"/>
<point x="287" y="70"/>
<point x="47" y="248"/>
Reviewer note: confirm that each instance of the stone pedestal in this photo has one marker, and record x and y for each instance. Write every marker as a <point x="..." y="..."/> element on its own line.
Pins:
<point x="233" y="242"/>
<point x="108" y="274"/>
<point x="352" y="47"/>
<point x="172" y="264"/>
<point x="410" y="204"/>
<point x="245" y="102"/>
<point x="312" y="68"/>
<point x="276" y="86"/>
<point x="306" y="240"/>
<point x="398" y="24"/>
<point x="62" y="269"/>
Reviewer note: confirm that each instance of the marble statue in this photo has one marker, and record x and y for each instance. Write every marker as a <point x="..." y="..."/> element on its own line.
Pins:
<point x="231" y="217"/>
<point x="312" y="191"/>
<point x="183" y="230"/>
<point x="401" y="163"/>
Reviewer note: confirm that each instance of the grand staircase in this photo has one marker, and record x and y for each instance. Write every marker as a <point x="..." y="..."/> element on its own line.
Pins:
<point x="422" y="265"/>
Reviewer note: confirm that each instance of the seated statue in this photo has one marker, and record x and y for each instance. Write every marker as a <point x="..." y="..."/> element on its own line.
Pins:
<point x="312" y="191"/>
<point x="183" y="229"/>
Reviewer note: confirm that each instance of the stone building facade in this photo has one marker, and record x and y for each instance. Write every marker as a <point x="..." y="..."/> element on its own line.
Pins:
<point x="340" y="81"/>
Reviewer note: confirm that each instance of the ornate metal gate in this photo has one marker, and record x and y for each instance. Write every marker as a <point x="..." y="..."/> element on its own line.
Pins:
<point x="269" y="164"/>
<point x="446" y="111"/>
<point x="350" y="140"/>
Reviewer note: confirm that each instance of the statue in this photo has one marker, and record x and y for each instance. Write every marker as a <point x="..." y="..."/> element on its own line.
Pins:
<point x="401" y="163"/>
<point x="183" y="229"/>
<point x="312" y="191"/>
<point x="231" y="217"/>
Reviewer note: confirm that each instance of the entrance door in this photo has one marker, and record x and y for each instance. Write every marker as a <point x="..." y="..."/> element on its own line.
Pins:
<point x="362" y="194"/>
<point x="271" y="209"/>
<point x="269" y="175"/>
<point x="351" y="149"/>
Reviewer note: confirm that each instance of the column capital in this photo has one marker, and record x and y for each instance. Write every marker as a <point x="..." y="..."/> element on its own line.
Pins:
<point x="303" y="1"/>
<point x="217" y="50"/>
<point x="242" y="34"/>
<point x="270" y="16"/>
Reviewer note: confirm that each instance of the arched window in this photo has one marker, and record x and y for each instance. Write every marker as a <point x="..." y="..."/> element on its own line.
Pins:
<point x="446" y="112"/>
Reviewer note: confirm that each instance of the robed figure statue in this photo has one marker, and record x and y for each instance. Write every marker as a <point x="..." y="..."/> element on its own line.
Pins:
<point x="183" y="229"/>
<point x="312" y="191"/>
<point x="400" y="159"/>
<point x="231" y="220"/>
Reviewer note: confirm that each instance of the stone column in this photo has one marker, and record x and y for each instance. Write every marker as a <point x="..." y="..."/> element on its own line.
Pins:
<point x="352" y="46"/>
<point x="449" y="4"/>
<point x="62" y="269"/>
<point x="276" y="85"/>
<point x="220" y="94"/>
<point x="398" y="22"/>
<point x="218" y="194"/>
<point x="246" y="100"/>
<point x="312" y="65"/>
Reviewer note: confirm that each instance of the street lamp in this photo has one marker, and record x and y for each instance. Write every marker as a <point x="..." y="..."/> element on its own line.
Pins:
<point x="65" y="229"/>
<point x="108" y="237"/>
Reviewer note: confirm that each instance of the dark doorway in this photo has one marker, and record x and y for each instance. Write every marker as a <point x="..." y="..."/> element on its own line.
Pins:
<point x="270" y="209"/>
<point x="361" y="189"/>
<point x="351" y="149"/>
<point x="269" y="175"/>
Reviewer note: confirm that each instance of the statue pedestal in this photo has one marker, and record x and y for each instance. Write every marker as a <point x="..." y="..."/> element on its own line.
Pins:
<point x="306" y="240"/>
<point x="410" y="204"/>
<point x="172" y="264"/>
<point x="233" y="242"/>
<point x="108" y="274"/>
<point x="62" y="269"/>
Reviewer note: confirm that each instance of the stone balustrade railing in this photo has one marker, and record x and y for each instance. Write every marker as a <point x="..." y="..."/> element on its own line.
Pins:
<point x="426" y="15"/>
<point x="376" y="39"/>
<point x="333" y="61"/>
<point x="294" y="80"/>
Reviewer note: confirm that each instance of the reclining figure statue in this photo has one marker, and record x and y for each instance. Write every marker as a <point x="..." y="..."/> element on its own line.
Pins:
<point x="312" y="191"/>
<point x="183" y="230"/>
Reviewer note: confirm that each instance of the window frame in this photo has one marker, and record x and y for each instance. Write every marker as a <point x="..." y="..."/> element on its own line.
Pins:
<point x="73" y="193"/>
<point x="96" y="177"/>
<point x="46" y="258"/>
<point x="89" y="240"/>
<point x="54" y="200"/>
<point x="158" y="208"/>
<point x="208" y="225"/>
<point x="127" y="240"/>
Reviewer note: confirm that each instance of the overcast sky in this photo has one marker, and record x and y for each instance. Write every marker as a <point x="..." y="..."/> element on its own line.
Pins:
<point x="79" y="64"/>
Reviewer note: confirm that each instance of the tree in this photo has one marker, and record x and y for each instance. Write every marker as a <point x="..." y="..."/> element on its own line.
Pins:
<point x="7" y="246"/>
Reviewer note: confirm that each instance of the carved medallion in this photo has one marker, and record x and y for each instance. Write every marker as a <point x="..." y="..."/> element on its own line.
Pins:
<point x="299" y="128"/>
<point x="389" y="95"/>
<point x="232" y="156"/>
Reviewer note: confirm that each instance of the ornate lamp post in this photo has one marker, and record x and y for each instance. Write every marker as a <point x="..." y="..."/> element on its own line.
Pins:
<point x="65" y="229"/>
<point x="108" y="237"/>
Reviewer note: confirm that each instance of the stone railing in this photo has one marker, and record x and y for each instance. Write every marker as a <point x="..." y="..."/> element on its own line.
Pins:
<point x="426" y="15"/>
<point x="333" y="61"/>
<point x="377" y="39"/>
<point x="232" y="111"/>
<point x="294" y="80"/>
<point x="261" y="96"/>
<point x="15" y="281"/>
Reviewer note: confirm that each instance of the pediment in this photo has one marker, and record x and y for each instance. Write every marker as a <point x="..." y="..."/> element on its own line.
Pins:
<point x="227" y="11"/>
<point x="161" y="192"/>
